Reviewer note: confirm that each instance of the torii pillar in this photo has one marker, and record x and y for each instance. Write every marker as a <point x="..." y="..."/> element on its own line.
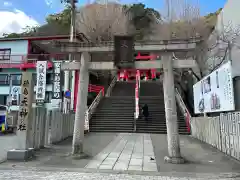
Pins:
<point x="78" y="134"/>
<point x="174" y="154"/>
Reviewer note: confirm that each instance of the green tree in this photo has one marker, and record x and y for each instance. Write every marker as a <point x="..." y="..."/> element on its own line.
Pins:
<point x="63" y="18"/>
<point x="142" y="18"/>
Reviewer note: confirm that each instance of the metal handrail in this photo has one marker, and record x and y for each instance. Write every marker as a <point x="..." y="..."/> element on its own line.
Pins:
<point x="181" y="103"/>
<point x="110" y="87"/>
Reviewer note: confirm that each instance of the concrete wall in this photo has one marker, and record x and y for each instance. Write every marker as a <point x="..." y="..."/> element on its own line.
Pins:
<point x="19" y="49"/>
<point x="47" y="127"/>
<point x="222" y="132"/>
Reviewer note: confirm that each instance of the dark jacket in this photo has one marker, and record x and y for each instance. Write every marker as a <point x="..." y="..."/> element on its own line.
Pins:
<point x="145" y="110"/>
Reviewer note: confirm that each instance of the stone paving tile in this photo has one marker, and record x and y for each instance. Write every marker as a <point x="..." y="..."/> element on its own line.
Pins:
<point x="124" y="157"/>
<point x="105" y="166"/>
<point x="109" y="161"/>
<point x="122" y="166"/>
<point x="113" y="155"/>
<point x="137" y="156"/>
<point x="135" y="168"/>
<point x="101" y="157"/>
<point x="136" y="162"/>
<point x="150" y="167"/>
<point x="93" y="164"/>
<point x="128" y="151"/>
<point x="52" y="175"/>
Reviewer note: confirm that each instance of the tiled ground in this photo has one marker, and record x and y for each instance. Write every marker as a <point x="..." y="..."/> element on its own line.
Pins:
<point x="127" y="152"/>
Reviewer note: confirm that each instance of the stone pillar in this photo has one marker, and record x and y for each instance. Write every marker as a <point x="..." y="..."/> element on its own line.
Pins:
<point x="78" y="135"/>
<point x="174" y="155"/>
<point x="24" y="149"/>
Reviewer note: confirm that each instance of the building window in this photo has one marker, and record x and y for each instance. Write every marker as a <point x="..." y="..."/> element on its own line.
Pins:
<point x="3" y="99"/>
<point x="5" y="54"/>
<point x="4" y="80"/>
<point x="16" y="79"/>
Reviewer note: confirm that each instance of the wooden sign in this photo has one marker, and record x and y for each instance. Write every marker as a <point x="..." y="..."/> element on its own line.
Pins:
<point x="124" y="50"/>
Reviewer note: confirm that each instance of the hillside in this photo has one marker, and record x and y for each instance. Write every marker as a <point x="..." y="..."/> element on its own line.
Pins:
<point x="141" y="19"/>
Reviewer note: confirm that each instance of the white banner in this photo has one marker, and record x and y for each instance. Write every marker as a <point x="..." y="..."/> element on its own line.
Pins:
<point x="41" y="69"/>
<point x="214" y="93"/>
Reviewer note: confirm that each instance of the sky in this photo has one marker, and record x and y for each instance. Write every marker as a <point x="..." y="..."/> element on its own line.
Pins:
<point x="15" y="15"/>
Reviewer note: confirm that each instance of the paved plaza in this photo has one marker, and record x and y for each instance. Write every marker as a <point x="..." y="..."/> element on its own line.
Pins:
<point x="127" y="152"/>
<point x="123" y="156"/>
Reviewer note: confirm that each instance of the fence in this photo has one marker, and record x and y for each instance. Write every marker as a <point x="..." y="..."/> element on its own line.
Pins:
<point x="222" y="132"/>
<point x="49" y="127"/>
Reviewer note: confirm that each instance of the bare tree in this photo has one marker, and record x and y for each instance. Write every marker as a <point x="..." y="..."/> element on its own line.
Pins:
<point x="182" y="20"/>
<point x="218" y="47"/>
<point x="100" y="22"/>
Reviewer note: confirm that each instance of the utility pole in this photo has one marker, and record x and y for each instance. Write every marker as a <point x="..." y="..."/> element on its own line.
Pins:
<point x="71" y="58"/>
<point x="67" y="73"/>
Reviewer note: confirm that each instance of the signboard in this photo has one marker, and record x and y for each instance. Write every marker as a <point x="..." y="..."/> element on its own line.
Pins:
<point x="214" y="93"/>
<point x="15" y="92"/>
<point x="25" y="101"/>
<point x="41" y="81"/>
<point x="124" y="50"/>
<point x="57" y="89"/>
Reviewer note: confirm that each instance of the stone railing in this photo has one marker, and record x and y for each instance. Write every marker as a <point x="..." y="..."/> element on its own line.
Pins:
<point x="93" y="108"/>
<point x="183" y="109"/>
<point x="111" y="86"/>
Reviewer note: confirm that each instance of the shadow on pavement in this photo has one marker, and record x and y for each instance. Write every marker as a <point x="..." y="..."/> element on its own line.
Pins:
<point x="59" y="155"/>
<point x="201" y="157"/>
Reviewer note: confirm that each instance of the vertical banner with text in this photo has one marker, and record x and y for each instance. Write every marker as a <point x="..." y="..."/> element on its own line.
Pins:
<point x="41" y="69"/>
<point x="25" y="101"/>
<point x="57" y="85"/>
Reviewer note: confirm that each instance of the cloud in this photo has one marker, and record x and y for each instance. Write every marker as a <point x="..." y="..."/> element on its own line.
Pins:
<point x="15" y="22"/>
<point x="7" y="3"/>
<point x="49" y="3"/>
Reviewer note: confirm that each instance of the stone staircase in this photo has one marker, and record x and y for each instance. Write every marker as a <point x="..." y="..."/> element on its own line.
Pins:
<point x="151" y="93"/>
<point x="115" y="113"/>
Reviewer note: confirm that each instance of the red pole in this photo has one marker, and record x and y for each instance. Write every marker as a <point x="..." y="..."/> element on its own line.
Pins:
<point x="188" y="122"/>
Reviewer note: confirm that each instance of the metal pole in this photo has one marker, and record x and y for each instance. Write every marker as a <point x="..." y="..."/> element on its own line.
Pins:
<point x="10" y="92"/>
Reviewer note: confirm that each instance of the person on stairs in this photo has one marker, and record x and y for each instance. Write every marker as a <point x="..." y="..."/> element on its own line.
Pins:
<point x="145" y="112"/>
